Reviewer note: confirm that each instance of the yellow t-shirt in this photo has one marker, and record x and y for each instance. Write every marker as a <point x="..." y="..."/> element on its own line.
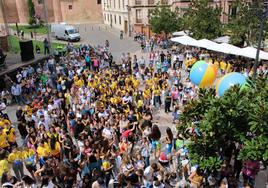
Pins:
<point x="56" y="151"/>
<point x="136" y="83"/>
<point x="79" y="83"/>
<point x="11" y="137"/>
<point x="4" y="166"/>
<point x="28" y="153"/>
<point x="146" y="93"/>
<point x="139" y="103"/>
<point x="43" y="151"/>
<point x="157" y="92"/>
<point x="3" y="140"/>
<point x="222" y="65"/>
<point x="229" y="67"/>
<point x="3" y="122"/>
<point x="18" y="155"/>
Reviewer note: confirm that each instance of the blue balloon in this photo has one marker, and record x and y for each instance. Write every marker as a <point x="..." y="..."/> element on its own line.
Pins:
<point x="197" y="73"/>
<point x="230" y="80"/>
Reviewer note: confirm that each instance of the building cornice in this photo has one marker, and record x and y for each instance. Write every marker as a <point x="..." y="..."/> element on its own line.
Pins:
<point x="148" y="6"/>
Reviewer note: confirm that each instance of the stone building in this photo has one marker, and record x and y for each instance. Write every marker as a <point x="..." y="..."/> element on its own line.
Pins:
<point x="70" y="11"/>
<point x="133" y="15"/>
<point x="130" y="15"/>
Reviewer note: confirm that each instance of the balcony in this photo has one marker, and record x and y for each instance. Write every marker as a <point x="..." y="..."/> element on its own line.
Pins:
<point x="138" y="2"/>
<point x="138" y="20"/>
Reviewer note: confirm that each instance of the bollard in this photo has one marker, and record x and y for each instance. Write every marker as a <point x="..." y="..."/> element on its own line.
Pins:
<point x="92" y="27"/>
<point x="85" y="29"/>
<point x="99" y="28"/>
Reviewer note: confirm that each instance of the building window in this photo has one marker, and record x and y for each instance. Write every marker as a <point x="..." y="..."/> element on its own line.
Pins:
<point x="232" y="11"/>
<point x="104" y="15"/>
<point x="108" y="17"/>
<point x="164" y="2"/>
<point x="98" y="2"/>
<point x="119" y="20"/>
<point x="150" y="2"/>
<point x="123" y="4"/>
<point x="114" y="3"/>
<point x="150" y="11"/>
<point x="115" y="19"/>
<point x="137" y="2"/>
<point x="138" y="16"/>
<point x="119" y="4"/>
<point x="70" y="7"/>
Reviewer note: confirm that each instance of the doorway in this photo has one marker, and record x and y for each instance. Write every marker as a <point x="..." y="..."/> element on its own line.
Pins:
<point x="125" y="26"/>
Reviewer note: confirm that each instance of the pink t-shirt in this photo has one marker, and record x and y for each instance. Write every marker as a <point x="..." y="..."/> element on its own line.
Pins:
<point x="175" y="94"/>
<point x="95" y="63"/>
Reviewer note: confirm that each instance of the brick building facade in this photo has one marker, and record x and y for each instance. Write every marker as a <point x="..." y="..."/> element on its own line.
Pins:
<point x="16" y="11"/>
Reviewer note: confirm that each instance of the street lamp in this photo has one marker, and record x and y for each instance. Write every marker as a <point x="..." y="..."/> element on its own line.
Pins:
<point x="128" y="15"/>
<point x="264" y="16"/>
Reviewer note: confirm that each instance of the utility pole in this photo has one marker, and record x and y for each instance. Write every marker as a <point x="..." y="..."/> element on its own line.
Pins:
<point x="47" y="25"/>
<point x="263" y="19"/>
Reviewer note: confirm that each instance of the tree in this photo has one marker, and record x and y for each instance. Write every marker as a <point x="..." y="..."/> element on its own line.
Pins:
<point x="163" y="20"/>
<point x="202" y="20"/>
<point x="245" y="22"/>
<point x="211" y="123"/>
<point x="31" y="10"/>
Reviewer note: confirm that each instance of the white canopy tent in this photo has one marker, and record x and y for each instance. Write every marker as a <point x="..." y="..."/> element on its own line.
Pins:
<point x="180" y="33"/>
<point x="251" y="52"/>
<point x="185" y="40"/>
<point x="223" y="39"/>
<point x="226" y="48"/>
<point x="205" y="43"/>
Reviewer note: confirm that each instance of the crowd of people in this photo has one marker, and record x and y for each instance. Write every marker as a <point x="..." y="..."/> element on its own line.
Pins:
<point x="85" y="121"/>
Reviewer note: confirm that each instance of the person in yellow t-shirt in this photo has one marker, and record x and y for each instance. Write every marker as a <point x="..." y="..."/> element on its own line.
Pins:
<point x="222" y="65"/>
<point x="229" y="67"/>
<point x="15" y="158"/>
<point x="43" y="152"/>
<point x="54" y="148"/>
<point x="3" y="122"/>
<point x="4" y="165"/>
<point x="147" y="96"/>
<point x="29" y="159"/>
<point x="217" y="64"/>
<point x="11" y="137"/>
<point x="3" y="139"/>
<point x="157" y="96"/>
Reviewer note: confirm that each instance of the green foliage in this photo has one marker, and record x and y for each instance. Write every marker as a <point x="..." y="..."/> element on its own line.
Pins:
<point x="41" y="29"/>
<point x="244" y="25"/>
<point x="31" y="11"/>
<point x="241" y="116"/>
<point x="202" y="20"/>
<point x="15" y="46"/>
<point x="163" y="20"/>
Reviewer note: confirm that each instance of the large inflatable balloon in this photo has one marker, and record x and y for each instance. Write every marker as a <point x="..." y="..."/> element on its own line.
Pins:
<point x="203" y="75"/>
<point x="196" y="64"/>
<point x="228" y="81"/>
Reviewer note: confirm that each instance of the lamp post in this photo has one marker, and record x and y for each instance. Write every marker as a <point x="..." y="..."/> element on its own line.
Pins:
<point x="256" y="63"/>
<point x="128" y="17"/>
